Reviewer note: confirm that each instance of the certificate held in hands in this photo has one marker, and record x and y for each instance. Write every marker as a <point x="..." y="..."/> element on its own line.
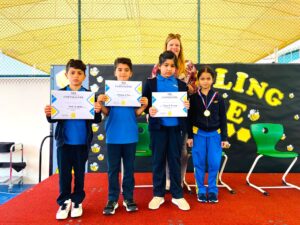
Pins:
<point x="123" y="93"/>
<point x="169" y="104"/>
<point x="67" y="105"/>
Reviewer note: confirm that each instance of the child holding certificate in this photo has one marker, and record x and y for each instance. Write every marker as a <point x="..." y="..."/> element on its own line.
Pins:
<point x="186" y="72"/>
<point x="121" y="139"/>
<point x="166" y="134"/>
<point x="207" y="114"/>
<point x="73" y="140"/>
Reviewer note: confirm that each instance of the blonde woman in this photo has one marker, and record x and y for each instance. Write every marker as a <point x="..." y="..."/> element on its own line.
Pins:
<point x="186" y="72"/>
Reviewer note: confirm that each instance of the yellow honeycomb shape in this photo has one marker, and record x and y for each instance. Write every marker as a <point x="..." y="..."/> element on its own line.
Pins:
<point x="230" y="129"/>
<point x="243" y="135"/>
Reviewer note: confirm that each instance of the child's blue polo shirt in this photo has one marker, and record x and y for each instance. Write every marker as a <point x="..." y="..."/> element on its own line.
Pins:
<point x="75" y="130"/>
<point x="121" y="126"/>
<point x="169" y="84"/>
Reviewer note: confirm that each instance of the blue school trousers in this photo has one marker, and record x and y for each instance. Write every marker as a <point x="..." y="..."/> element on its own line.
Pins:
<point x="207" y="149"/>
<point x="114" y="154"/>
<point x="166" y="145"/>
<point x="68" y="157"/>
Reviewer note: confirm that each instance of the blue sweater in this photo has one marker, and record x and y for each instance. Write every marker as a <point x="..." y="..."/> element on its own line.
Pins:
<point x="155" y="122"/>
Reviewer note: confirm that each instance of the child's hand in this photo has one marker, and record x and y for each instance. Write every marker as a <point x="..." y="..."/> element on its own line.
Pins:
<point x="187" y="104"/>
<point x="225" y="144"/>
<point x="47" y="110"/>
<point x="97" y="107"/>
<point x="189" y="142"/>
<point x="144" y="101"/>
<point x="102" y="98"/>
<point x="152" y="111"/>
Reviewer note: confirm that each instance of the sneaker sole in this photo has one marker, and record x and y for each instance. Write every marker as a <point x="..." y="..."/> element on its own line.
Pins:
<point x="78" y="215"/>
<point x="201" y="201"/>
<point x="213" y="201"/>
<point x="113" y="212"/>
<point x="63" y="218"/>
<point x="175" y="203"/>
<point x="128" y="210"/>
<point x="158" y="205"/>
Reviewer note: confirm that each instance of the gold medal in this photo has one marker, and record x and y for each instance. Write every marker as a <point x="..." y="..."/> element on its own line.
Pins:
<point x="206" y="113"/>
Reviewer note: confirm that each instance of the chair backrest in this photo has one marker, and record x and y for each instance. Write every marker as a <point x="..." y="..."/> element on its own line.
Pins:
<point x="266" y="136"/>
<point x="143" y="145"/>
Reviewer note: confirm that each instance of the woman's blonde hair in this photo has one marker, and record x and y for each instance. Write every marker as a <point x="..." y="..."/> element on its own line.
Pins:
<point x="181" y="61"/>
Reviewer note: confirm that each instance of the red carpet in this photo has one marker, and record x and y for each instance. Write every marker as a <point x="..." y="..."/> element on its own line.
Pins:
<point x="247" y="207"/>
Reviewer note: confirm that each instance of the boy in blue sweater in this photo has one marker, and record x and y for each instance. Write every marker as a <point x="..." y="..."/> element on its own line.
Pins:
<point x="121" y="138"/>
<point x="73" y="140"/>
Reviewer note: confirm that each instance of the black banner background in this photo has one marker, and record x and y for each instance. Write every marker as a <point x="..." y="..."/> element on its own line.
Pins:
<point x="278" y="78"/>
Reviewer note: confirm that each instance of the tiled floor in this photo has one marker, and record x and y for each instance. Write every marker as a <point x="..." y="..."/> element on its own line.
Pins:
<point x="17" y="189"/>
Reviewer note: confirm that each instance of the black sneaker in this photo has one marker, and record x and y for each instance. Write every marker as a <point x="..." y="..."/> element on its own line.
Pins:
<point x="212" y="197"/>
<point x="130" y="205"/>
<point x="110" y="208"/>
<point x="202" y="198"/>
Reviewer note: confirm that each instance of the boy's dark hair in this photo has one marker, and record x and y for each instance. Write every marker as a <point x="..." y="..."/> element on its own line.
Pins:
<point x="123" y="60"/>
<point x="168" y="55"/>
<point x="77" y="64"/>
<point x="206" y="69"/>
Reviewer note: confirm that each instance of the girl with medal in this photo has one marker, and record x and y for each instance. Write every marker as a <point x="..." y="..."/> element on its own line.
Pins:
<point x="206" y="116"/>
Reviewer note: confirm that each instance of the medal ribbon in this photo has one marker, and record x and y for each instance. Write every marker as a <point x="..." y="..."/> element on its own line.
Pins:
<point x="206" y="107"/>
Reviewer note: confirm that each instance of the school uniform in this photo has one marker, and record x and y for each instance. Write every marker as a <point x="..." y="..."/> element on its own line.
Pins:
<point x="121" y="139"/>
<point x="203" y="128"/>
<point x="73" y="141"/>
<point x="166" y="138"/>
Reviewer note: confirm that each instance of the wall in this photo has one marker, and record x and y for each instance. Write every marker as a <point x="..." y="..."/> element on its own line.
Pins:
<point x="22" y="119"/>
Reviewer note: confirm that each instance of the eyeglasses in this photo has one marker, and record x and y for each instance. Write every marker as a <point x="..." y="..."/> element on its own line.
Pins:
<point x="174" y="35"/>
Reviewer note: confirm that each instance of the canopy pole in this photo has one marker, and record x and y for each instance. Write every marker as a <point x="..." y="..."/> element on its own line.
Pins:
<point x="79" y="29"/>
<point x="198" y="32"/>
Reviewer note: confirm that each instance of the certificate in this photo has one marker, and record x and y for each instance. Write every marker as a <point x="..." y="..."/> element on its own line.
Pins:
<point x="123" y="93"/>
<point x="169" y="104"/>
<point x="66" y="105"/>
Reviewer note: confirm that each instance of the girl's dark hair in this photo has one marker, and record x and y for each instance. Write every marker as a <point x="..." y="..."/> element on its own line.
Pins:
<point x="206" y="69"/>
<point x="123" y="60"/>
<point x="77" y="64"/>
<point x="168" y="55"/>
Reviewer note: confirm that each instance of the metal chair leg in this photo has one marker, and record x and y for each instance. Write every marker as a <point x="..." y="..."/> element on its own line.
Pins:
<point x="223" y="184"/>
<point x="187" y="186"/>
<point x="286" y="173"/>
<point x="249" y="174"/>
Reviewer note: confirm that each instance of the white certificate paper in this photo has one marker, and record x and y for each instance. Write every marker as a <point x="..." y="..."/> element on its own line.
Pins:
<point x="69" y="105"/>
<point x="169" y="104"/>
<point x="123" y="93"/>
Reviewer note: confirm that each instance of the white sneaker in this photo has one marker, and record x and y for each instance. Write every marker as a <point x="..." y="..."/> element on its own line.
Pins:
<point x="76" y="210"/>
<point x="156" y="202"/>
<point x="63" y="210"/>
<point x="181" y="203"/>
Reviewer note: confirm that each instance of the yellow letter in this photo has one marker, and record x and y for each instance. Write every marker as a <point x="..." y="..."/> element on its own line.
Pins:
<point x="221" y="73"/>
<point x="235" y="110"/>
<point x="241" y="77"/>
<point x="271" y="99"/>
<point x="254" y="86"/>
